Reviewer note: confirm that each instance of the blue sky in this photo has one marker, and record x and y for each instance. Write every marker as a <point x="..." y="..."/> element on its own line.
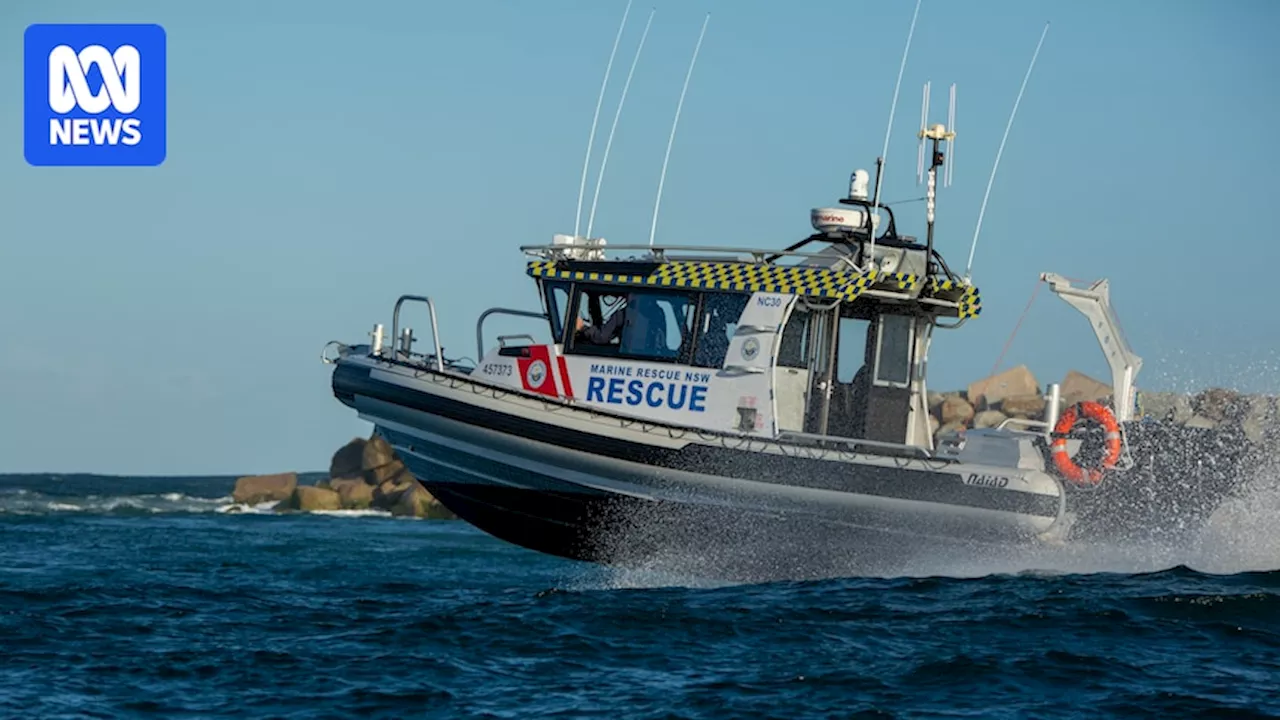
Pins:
<point x="325" y="157"/>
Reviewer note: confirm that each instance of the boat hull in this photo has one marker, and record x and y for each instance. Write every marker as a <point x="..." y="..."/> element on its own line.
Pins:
<point x="551" y="479"/>
<point x="701" y="541"/>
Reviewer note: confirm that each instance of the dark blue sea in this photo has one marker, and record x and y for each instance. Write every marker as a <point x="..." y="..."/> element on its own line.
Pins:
<point x="156" y="597"/>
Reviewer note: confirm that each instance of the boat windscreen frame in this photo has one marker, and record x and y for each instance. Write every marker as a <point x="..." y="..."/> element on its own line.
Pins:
<point x="556" y="316"/>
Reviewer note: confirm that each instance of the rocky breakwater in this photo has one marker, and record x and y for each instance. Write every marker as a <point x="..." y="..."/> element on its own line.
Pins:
<point x="363" y="475"/>
<point x="1013" y="397"/>
<point x="1189" y="451"/>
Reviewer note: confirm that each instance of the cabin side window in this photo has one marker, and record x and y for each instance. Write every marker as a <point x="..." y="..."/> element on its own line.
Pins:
<point x="555" y="296"/>
<point x="851" y="355"/>
<point x="641" y="324"/>
<point x="720" y="314"/>
<point x="793" y="348"/>
<point x="893" y="351"/>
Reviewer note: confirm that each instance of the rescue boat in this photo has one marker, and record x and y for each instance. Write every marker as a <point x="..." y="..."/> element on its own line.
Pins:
<point x="762" y="410"/>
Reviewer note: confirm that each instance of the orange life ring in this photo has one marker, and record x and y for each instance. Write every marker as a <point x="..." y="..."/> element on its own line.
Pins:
<point x="1100" y="414"/>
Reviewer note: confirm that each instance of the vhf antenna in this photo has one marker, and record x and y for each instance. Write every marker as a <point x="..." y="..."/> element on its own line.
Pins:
<point x="653" y="228"/>
<point x="943" y="141"/>
<point x="875" y="205"/>
<point x="982" y="211"/>
<point x="591" y="219"/>
<point x="582" y="186"/>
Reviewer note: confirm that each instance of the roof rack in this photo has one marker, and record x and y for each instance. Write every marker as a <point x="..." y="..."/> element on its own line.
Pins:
<point x="663" y="254"/>
<point x="842" y="281"/>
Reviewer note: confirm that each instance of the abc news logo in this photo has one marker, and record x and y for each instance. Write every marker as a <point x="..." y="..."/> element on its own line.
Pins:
<point x="94" y="94"/>
<point x="69" y="89"/>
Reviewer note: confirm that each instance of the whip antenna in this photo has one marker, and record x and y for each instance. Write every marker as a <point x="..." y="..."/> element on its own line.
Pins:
<point x="653" y="228"/>
<point x="924" y="123"/>
<point x="892" y="108"/>
<point x="942" y="138"/>
<point x="950" y="141"/>
<point x="582" y="186"/>
<point x="609" y="143"/>
<point x="982" y="210"/>
<point x="951" y="144"/>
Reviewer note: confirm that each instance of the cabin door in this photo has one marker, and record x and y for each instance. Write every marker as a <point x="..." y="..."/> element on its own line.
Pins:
<point x="823" y="339"/>
<point x="888" y="397"/>
<point x="861" y="374"/>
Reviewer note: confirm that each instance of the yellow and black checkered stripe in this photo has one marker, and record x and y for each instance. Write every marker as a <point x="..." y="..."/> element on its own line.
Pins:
<point x="811" y="282"/>
<point x="970" y="303"/>
<point x="940" y="287"/>
<point x="966" y="297"/>
<point x="898" y="282"/>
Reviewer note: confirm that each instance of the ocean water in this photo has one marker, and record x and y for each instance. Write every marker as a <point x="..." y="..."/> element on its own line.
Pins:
<point x="157" y="597"/>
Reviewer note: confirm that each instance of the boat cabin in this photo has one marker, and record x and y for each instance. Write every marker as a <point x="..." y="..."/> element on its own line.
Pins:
<point x="768" y="343"/>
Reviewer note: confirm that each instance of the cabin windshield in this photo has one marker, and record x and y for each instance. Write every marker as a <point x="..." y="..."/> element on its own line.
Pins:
<point x="659" y="324"/>
<point x="643" y="325"/>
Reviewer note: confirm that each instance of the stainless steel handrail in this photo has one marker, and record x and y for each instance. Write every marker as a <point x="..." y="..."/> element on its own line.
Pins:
<point x="660" y="251"/>
<point x="435" y="330"/>
<point x="502" y="339"/>
<point x="1022" y="421"/>
<point x="499" y="311"/>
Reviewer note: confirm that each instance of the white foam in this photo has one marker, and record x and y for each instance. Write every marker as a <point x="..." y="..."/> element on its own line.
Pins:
<point x="28" y="502"/>
<point x="1244" y="534"/>
<point x="352" y="513"/>
<point x="262" y="508"/>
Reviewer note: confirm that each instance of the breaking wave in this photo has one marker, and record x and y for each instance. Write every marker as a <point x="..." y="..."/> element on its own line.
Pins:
<point x="121" y="496"/>
<point x="30" y="502"/>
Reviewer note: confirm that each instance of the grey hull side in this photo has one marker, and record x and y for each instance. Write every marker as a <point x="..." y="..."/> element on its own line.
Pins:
<point x="469" y="449"/>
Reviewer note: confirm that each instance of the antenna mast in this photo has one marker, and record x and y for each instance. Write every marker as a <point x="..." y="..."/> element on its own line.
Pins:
<point x="609" y="143"/>
<point x="582" y="186"/>
<point x="982" y="211"/>
<point x="875" y="206"/>
<point x="653" y="228"/>
<point x="938" y="134"/>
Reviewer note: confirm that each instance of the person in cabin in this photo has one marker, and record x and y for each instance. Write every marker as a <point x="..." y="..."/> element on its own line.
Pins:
<point x="639" y="325"/>
<point x="604" y="333"/>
